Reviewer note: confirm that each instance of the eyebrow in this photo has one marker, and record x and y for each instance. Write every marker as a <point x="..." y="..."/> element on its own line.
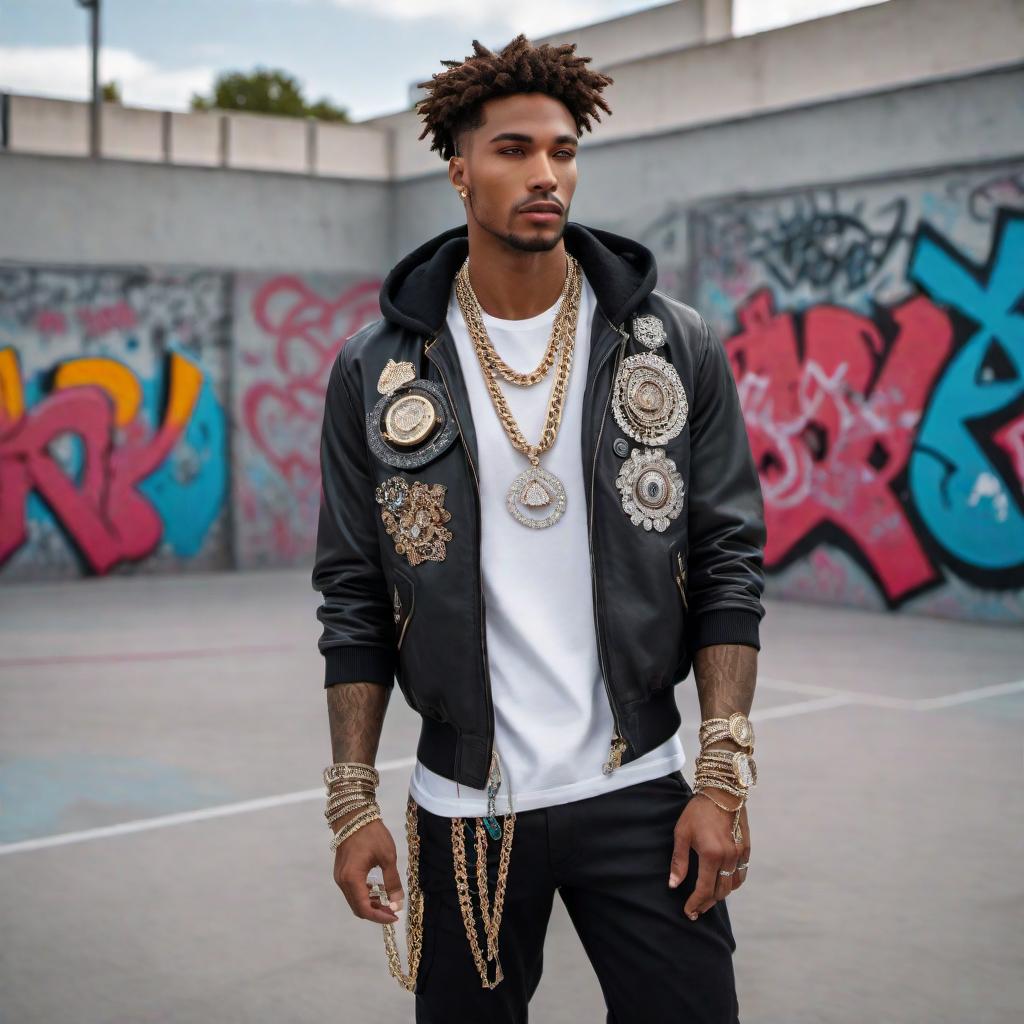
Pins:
<point x="519" y="137"/>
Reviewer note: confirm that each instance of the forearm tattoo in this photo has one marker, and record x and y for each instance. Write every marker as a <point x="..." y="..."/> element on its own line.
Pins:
<point x="356" y="715"/>
<point x="726" y="674"/>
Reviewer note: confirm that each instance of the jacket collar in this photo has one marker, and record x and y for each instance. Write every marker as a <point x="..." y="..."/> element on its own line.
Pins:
<point x="415" y="293"/>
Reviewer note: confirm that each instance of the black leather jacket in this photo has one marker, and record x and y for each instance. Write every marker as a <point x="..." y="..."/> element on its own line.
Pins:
<point x="658" y="596"/>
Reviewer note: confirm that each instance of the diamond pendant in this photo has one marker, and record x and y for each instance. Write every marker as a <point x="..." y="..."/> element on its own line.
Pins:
<point x="536" y="498"/>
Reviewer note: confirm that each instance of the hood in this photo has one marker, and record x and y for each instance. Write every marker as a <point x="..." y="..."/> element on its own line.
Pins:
<point x="415" y="293"/>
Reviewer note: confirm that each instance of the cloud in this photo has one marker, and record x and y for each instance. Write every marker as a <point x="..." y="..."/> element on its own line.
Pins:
<point x="534" y="17"/>
<point x="64" y="71"/>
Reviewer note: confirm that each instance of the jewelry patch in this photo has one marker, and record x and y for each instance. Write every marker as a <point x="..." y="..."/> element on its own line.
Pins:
<point x="649" y="331"/>
<point x="411" y="424"/>
<point x="414" y="516"/>
<point x="394" y="375"/>
<point x="651" y="488"/>
<point x="649" y="399"/>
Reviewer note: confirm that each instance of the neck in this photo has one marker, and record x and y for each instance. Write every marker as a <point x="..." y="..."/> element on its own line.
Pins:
<point x="512" y="284"/>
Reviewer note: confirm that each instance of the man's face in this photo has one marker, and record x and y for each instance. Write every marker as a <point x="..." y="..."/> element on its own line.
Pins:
<point x="522" y="156"/>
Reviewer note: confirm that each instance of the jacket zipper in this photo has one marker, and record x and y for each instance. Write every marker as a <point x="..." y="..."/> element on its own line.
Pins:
<point x="398" y="616"/>
<point x="618" y="743"/>
<point x="681" y="579"/>
<point x="480" y="596"/>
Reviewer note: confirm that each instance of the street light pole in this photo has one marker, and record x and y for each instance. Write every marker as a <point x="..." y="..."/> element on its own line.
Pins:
<point x="94" y="113"/>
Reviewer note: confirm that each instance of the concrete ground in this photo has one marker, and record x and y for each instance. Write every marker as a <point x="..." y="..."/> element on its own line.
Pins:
<point x="885" y="881"/>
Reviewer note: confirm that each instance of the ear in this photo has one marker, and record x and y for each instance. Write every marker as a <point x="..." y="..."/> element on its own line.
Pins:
<point x="456" y="171"/>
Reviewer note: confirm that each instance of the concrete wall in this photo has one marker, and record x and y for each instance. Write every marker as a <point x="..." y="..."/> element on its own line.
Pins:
<point x="81" y="211"/>
<point x="245" y="141"/>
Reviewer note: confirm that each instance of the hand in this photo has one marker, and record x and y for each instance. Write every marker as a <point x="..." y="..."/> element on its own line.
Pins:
<point x="708" y="830"/>
<point x="368" y="847"/>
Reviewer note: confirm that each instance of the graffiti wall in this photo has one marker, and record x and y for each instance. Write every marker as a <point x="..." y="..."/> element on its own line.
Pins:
<point x="164" y="420"/>
<point x="877" y="337"/>
<point x="113" y="432"/>
<point x="287" y="332"/>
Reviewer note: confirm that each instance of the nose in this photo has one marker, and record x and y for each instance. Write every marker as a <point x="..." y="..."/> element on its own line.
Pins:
<point x="542" y="177"/>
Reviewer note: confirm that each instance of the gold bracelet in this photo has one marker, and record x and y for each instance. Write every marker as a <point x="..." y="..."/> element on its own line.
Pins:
<point x="371" y="814"/>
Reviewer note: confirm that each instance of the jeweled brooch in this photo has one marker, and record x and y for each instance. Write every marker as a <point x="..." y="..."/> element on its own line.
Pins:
<point x="649" y="400"/>
<point x="411" y="424"/>
<point x="651" y="488"/>
<point x="649" y="331"/>
<point x="414" y="516"/>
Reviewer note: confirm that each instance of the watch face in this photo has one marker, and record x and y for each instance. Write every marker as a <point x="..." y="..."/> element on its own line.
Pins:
<point x="746" y="770"/>
<point x="741" y="730"/>
<point x="410" y="425"/>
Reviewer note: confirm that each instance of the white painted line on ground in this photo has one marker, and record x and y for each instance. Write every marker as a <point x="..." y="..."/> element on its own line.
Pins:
<point x="34" y="661"/>
<point x="184" y="817"/>
<point x="834" y="699"/>
<point x="802" y="707"/>
<point x="878" y="700"/>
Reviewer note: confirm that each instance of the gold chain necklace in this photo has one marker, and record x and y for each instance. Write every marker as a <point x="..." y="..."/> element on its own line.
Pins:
<point x="535" y="498"/>
<point x="494" y="359"/>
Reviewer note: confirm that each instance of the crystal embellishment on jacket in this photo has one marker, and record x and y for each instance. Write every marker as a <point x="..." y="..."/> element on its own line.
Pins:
<point x="414" y="516"/>
<point x="651" y="488"/>
<point x="649" y="400"/>
<point x="649" y="331"/>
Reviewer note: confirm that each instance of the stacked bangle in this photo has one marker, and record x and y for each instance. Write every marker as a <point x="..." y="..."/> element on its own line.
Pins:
<point x="351" y="785"/>
<point x="732" y="771"/>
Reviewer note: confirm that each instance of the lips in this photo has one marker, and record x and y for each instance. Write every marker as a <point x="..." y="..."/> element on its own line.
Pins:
<point x="543" y="208"/>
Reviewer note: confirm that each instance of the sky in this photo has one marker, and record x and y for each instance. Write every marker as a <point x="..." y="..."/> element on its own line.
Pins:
<point x="361" y="54"/>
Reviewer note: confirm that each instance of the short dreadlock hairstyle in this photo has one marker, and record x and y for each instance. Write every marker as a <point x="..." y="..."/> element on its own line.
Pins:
<point x="455" y="97"/>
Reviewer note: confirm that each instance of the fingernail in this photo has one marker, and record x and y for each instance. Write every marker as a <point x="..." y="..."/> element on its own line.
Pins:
<point x="693" y="916"/>
<point x="395" y="905"/>
<point x="673" y="880"/>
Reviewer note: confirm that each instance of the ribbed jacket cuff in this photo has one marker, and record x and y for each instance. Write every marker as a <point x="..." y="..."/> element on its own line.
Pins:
<point x="726" y="626"/>
<point x="357" y="663"/>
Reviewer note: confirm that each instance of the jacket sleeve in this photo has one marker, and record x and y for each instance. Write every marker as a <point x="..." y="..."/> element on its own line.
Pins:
<point x="726" y="509"/>
<point x="358" y="636"/>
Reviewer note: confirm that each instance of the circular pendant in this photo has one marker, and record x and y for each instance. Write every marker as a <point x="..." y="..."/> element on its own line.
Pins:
<point x="651" y="488"/>
<point x="408" y="420"/>
<point x="536" y="498"/>
<point x="410" y="426"/>
<point x="649" y="400"/>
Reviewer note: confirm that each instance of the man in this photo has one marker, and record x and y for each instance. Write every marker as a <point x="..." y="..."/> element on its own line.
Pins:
<point x="539" y="510"/>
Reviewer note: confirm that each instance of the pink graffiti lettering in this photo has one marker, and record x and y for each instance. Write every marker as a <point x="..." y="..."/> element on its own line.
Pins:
<point x="830" y="409"/>
<point x="101" y="319"/>
<point x="308" y="331"/>
<point x="50" y="321"/>
<point x="103" y="512"/>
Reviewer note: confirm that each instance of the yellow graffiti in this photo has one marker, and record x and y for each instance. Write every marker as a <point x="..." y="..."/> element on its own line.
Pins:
<point x="186" y="383"/>
<point x="12" y="400"/>
<point x="113" y="377"/>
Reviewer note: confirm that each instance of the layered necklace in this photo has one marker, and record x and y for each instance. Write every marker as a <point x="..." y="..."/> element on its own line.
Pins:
<point x="535" y="498"/>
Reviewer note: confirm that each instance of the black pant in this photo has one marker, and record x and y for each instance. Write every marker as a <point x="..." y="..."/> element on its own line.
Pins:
<point x="608" y="857"/>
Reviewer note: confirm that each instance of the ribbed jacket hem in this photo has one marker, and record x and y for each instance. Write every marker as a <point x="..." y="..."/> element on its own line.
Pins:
<point x="726" y="626"/>
<point x="358" y="663"/>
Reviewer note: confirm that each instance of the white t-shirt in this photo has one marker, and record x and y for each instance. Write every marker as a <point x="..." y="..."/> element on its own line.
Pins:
<point x="552" y="720"/>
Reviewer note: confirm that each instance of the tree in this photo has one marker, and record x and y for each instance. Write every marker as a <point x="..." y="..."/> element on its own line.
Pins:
<point x="266" y="91"/>
<point x="111" y="92"/>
